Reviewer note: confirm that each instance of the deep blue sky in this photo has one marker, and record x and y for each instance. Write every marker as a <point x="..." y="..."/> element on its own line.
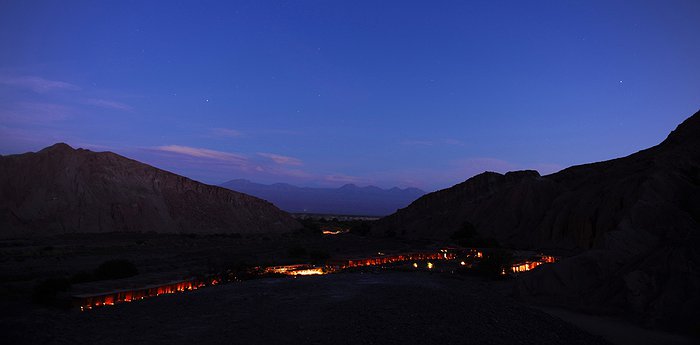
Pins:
<point x="405" y="93"/>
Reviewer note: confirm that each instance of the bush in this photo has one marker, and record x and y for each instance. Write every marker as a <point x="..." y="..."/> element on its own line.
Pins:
<point x="494" y="263"/>
<point x="468" y="237"/>
<point x="116" y="269"/>
<point x="297" y="252"/>
<point x="240" y="270"/>
<point x="467" y="231"/>
<point x="318" y="256"/>
<point x="309" y="227"/>
<point x="82" y="277"/>
<point x="361" y="228"/>
<point x="47" y="292"/>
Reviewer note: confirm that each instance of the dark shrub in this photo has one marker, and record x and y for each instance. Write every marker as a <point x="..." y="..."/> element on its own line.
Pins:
<point x="467" y="231"/>
<point x="467" y="236"/>
<point x="309" y="227"/>
<point x="82" y="277"/>
<point x="695" y="329"/>
<point x="297" y="252"/>
<point x="494" y="264"/>
<point x="116" y="269"/>
<point x="47" y="292"/>
<point x="488" y="242"/>
<point x="238" y="266"/>
<point x="360" y="228"/>
<point x="318" y="256"/>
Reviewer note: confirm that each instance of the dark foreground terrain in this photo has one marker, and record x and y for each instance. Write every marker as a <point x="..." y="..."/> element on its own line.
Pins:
<point x="348" y="308"/>
<point x="376" y="305"/>
<point x="379" y="306"/>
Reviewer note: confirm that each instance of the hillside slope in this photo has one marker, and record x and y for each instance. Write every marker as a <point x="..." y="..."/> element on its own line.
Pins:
<point x="63" y="190"/>
<point x="634" y="223"/>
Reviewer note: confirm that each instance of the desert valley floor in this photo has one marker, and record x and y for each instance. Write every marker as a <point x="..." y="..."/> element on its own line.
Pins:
<point x="353" y="308"/>
<point x="372" y="306"/>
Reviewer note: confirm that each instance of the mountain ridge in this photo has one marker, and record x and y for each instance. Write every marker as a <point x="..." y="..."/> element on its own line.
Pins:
<point x="64" y="190"/>
<point x="632" y="223"/>
<point x="348" y="199"/>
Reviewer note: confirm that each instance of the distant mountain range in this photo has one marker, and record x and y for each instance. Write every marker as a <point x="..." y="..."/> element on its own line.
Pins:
<point x="63" y="190"/>
<point x="633" y="224"/>
<point x="347" y="200"/>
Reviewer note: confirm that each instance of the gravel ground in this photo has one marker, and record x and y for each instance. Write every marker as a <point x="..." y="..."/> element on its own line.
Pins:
<point x="348" y="308"/>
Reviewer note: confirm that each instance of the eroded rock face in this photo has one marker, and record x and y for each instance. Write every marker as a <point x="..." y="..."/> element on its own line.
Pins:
<point x="63" y="190"/>
<point x="634" y="222"/>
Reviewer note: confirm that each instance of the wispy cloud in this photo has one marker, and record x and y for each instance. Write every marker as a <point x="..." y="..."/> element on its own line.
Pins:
<point x="418" y="143"/>
<point x="34" y="113"/>
<point x="38" y="84"/>
<point x="228" y="165"/>
<point x="297" y="173"/>
<point x="225" y="133"/>
<point x="270" y="167"/>
<point x="453" y="142"/>
<point x="203" y="153"/>
<point x="341" y="178"/>
<point x="103" y="103"/>
<point x="279" y="159"/>
<point x="433" y="142"/>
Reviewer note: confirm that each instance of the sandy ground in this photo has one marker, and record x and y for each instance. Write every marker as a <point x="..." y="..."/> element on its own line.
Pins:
<point x="348" y="308"/>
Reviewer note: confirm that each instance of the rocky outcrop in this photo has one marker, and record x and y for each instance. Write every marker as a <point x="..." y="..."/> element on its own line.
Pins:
<point x="633" y="224"/>
<point x="63" y="190"/>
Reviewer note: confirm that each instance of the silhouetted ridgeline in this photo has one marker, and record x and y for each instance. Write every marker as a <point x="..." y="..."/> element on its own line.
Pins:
<point x="63" y="190"/>
<point x="348" y="199"/>
<point x="635" y="222"/>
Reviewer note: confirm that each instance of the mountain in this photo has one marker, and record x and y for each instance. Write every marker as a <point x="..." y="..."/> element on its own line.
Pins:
<point x="348" y="199"/>
<point x="63" y="190"/>
<point x="633" y="225"/>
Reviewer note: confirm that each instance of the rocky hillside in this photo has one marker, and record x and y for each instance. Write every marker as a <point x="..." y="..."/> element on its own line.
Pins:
<point x="633" y="223"/>
<point x="63" y="190"/>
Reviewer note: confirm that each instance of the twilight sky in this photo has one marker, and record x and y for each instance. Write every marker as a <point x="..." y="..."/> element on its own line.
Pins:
<point x="323" y="93"/>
